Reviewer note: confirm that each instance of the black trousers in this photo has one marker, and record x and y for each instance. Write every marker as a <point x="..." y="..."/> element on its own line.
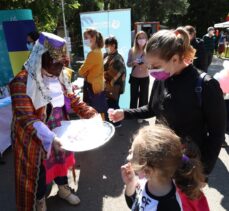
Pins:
<point x="208" y="60"/>
<point x="227" y="108"/>
<point x="139" y="91"/>
<point x="42" y="187"/>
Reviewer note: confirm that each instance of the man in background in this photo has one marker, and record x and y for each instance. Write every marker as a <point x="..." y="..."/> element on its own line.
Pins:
<point x="209" y="44"/>
<point x="198" y="44"/>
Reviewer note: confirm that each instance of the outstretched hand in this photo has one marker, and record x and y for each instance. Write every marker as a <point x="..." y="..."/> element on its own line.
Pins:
<point x="115" y="115"/>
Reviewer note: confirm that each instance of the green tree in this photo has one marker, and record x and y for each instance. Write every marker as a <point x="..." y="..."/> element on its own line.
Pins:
<point x="47" y="14"/>
<point x="203" y="14"/>
<point x="150" y="10"/>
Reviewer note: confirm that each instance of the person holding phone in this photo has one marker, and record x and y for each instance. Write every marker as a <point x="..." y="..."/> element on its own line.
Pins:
<point x="139" y="78"/>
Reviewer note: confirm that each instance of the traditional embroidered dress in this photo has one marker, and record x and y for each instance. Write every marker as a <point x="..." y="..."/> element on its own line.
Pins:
<point x="58" y="163"/>
<point x="30" y="101"/>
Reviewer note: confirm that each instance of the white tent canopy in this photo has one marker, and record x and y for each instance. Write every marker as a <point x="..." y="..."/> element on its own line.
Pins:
<point x="222" y="25"/>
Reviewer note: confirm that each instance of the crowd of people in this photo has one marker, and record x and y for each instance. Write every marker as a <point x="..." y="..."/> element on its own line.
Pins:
<point x="168" y="161"/>
<point x="199" y="122"/>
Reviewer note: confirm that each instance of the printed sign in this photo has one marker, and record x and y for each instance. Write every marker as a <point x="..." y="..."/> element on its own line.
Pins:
<point x="112" y="23"/>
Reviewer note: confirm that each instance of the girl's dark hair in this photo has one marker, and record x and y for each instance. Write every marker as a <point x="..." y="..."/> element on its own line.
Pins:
<point x="166" y="43"/>
<point x="94" y="33"/>
<point x="158" y="147"/>
<point x="111" y="41"/>
<point x="189" y="177"/>
<point x="34" y="35"/>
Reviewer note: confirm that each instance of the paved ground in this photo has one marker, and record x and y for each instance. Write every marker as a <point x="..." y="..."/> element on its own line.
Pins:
<point x="100" y="185"/>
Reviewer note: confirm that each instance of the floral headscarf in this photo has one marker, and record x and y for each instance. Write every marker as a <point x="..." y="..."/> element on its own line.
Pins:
<point x="36" y="88"/>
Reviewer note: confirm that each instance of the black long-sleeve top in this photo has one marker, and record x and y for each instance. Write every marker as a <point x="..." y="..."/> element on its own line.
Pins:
<point x="175" y="102"/>
<point x="200" y="60"/>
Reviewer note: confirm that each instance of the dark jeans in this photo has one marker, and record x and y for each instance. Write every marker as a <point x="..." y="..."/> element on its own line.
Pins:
<point x="208" y="56"/>
<point x="139" y="90"/>
<point x="227" y="109"/>
<point x="97" y="101"/>
<point x="42" y="187"/>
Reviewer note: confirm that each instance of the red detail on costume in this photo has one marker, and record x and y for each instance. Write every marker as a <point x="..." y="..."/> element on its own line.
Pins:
<point x="60" y="170"/>
<point x="200" y="204"/>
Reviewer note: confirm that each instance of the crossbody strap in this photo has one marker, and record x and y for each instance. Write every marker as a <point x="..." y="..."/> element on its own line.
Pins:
<point x="199" y="87"/>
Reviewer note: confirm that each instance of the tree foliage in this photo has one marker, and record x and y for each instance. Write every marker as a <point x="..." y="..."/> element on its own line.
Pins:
<point x="150" y="10"/>
<point x="48" y="13"/>
<point x="203" y="14"/>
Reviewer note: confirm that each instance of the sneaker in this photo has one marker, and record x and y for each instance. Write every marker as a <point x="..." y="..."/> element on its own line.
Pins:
<point x="66" y="194"/>
<point x="41" y="205"/>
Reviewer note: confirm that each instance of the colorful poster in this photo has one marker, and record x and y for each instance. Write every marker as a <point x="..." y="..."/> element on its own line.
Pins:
<point x="112" y="23"/>
<point x="6" y="72"/>
<point x="18" y="52"/>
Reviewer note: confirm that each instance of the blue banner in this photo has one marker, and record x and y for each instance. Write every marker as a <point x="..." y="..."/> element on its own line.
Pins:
<point x="112" y="23"/>
<point x="21" y="29"/>
<point x="5" y="65"/>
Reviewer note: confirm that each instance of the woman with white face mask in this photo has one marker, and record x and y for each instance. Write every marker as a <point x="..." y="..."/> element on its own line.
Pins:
<point x="42" y="96"/>
<point x="31" y="39"/>
<point x="139" y="78"/>
<point x="190" y="105"/>
<point x="92" y="71"/>
<point x="114" y="74"/>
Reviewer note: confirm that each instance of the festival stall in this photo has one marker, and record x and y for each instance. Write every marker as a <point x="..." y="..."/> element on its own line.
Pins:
<point x="224" y="25"/>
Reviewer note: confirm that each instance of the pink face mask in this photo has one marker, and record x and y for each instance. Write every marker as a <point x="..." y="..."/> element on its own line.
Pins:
<point x="141" y="42"/>
<point x="159" y="74"/>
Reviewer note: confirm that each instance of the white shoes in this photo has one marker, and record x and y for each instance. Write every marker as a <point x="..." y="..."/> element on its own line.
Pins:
<point x="41" y="205"/>
<point x="66" y="194"/>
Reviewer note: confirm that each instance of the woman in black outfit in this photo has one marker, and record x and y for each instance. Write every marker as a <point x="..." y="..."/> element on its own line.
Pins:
<point x="174" y="99"/>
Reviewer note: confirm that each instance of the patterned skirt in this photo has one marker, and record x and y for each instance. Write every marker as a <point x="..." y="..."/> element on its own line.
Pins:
<point x="58" y="163"/>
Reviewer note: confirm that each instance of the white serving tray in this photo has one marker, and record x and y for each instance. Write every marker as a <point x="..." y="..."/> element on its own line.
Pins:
<point x="84" y="134"/>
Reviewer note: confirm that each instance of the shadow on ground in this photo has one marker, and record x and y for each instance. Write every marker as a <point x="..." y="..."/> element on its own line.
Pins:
<point x="100" y="171"/>
<point x="7" y="189"/>
<point x="219" y="181"/>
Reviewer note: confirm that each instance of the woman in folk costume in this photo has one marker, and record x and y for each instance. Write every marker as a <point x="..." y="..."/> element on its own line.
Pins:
<point x="41" y="97"/>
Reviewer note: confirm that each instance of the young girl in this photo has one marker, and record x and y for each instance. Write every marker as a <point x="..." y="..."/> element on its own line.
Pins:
<point x="159" y="176"/>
